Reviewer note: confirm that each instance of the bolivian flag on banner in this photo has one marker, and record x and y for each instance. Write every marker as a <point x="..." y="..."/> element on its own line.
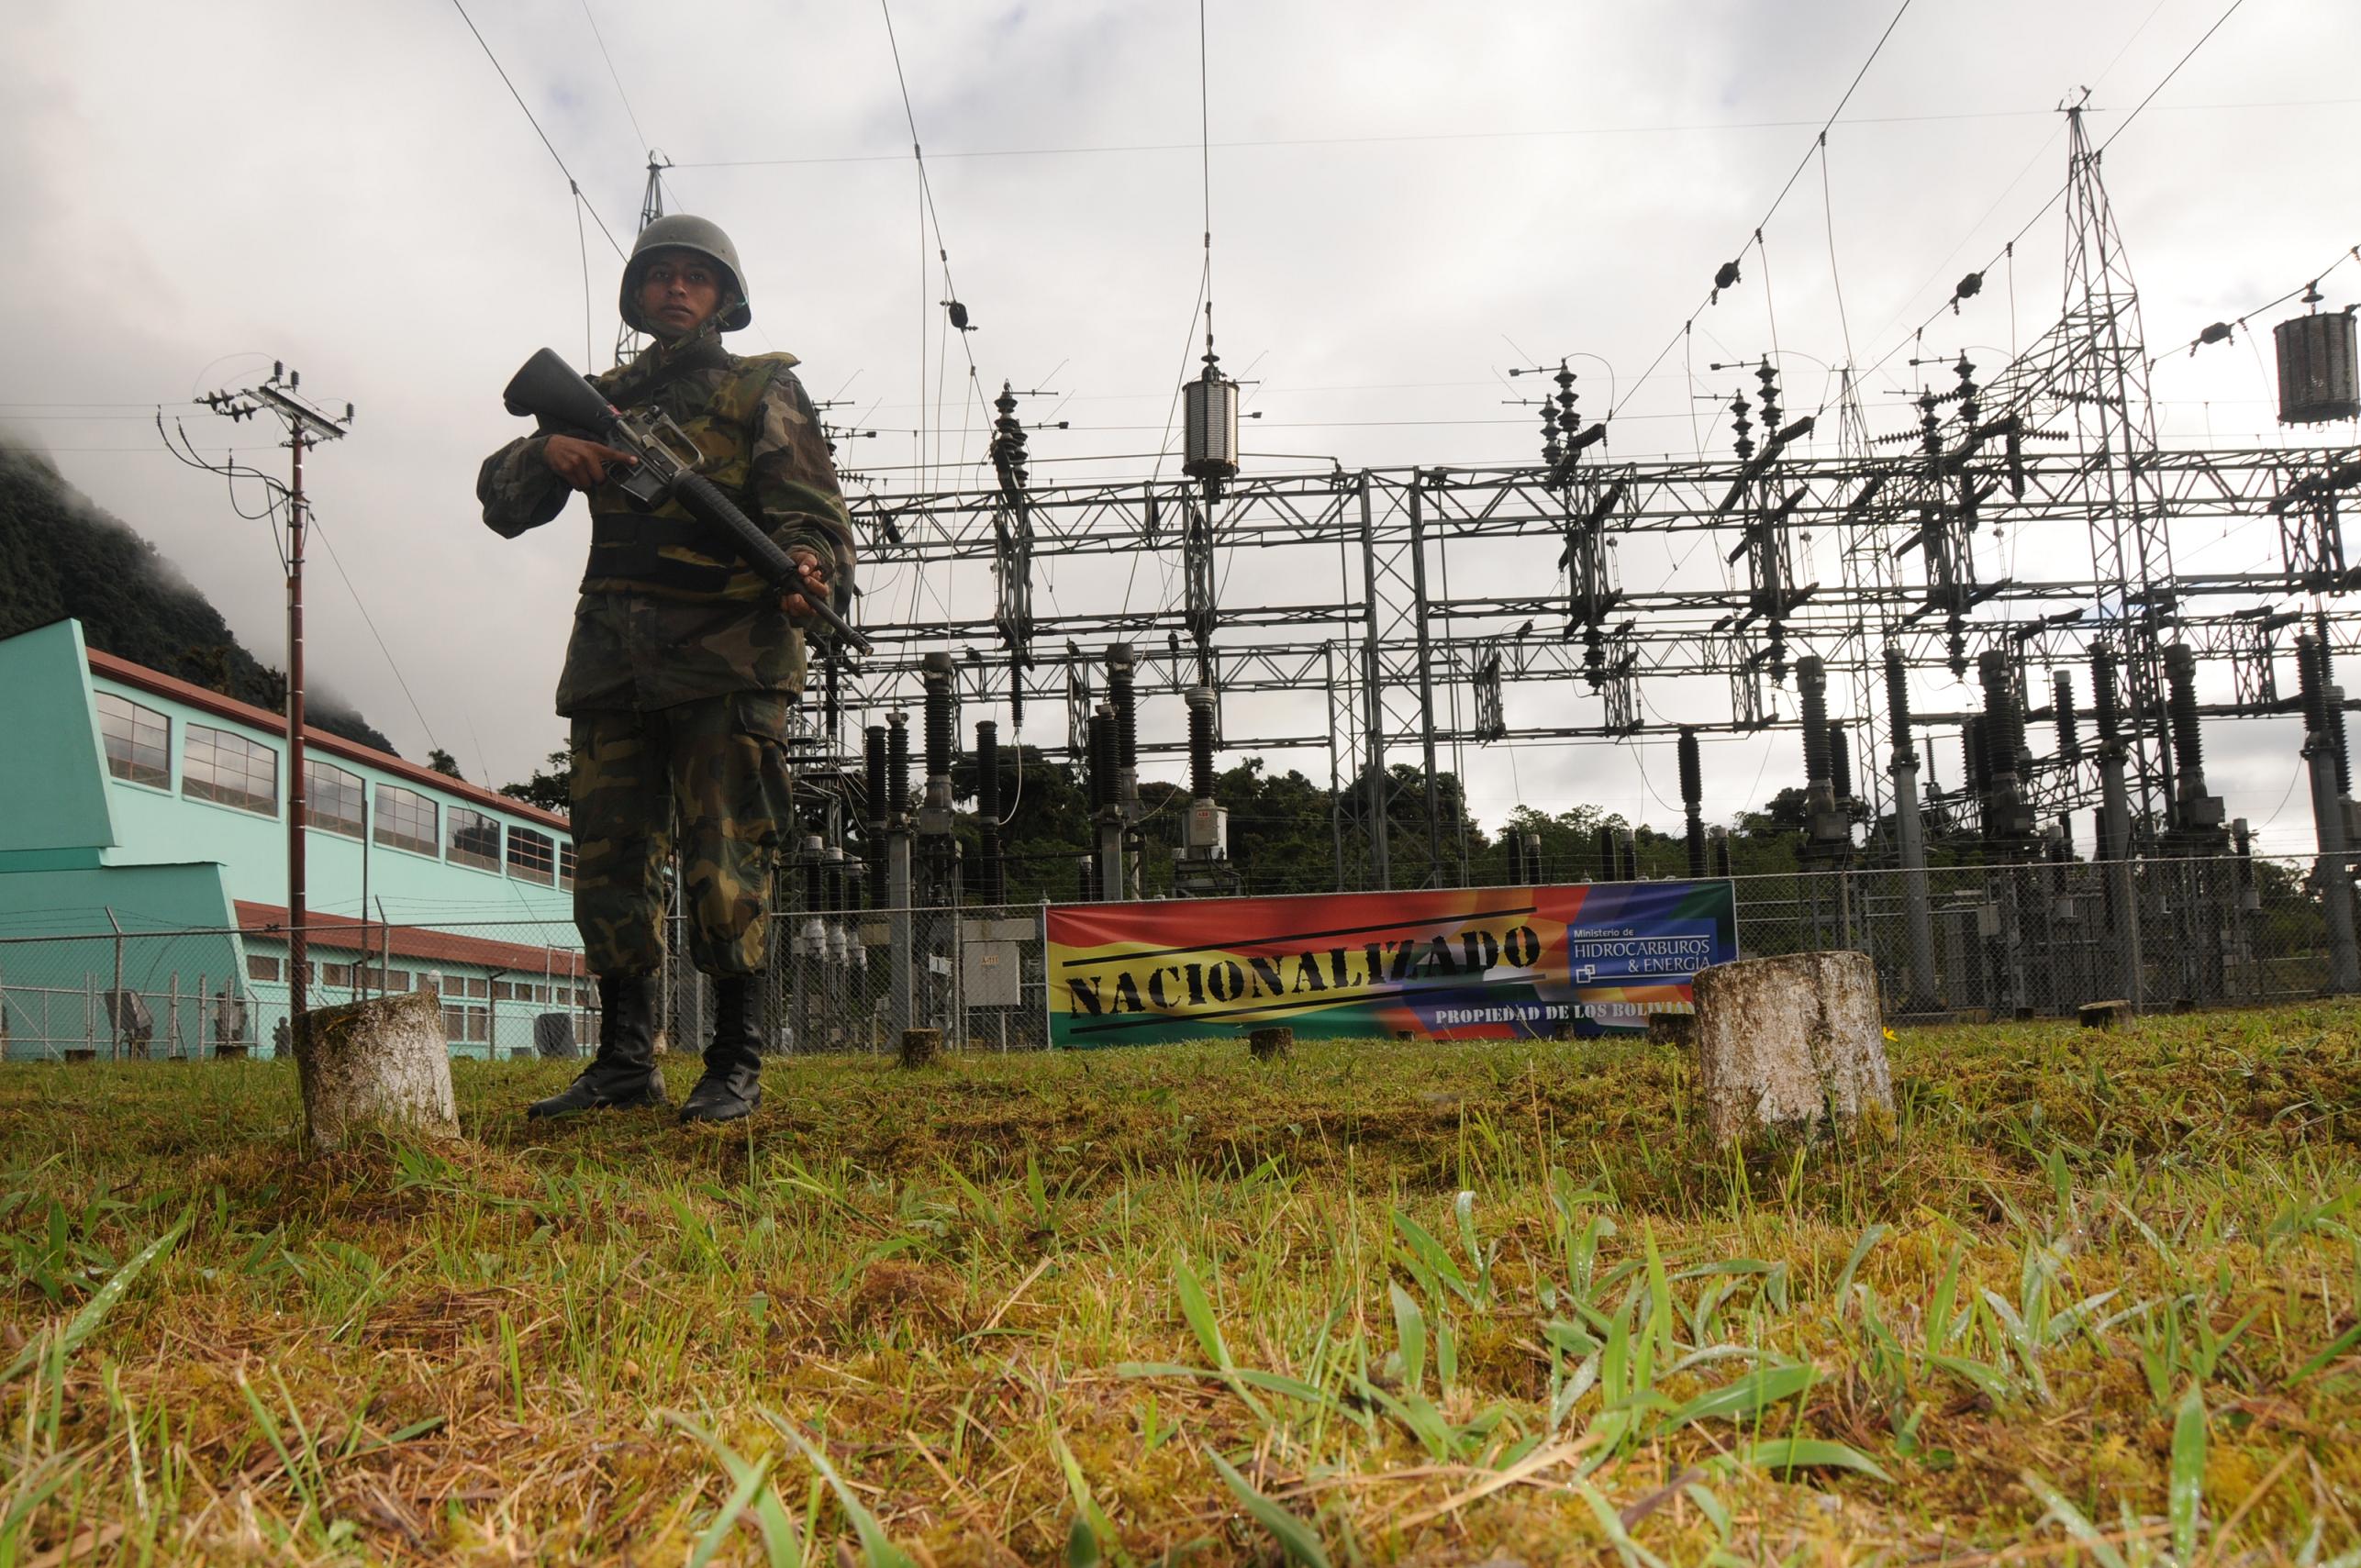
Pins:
<point x="1450" y="963"/>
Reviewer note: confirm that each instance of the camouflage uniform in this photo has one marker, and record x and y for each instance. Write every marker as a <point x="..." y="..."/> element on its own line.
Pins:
<point x="683" y="666"/>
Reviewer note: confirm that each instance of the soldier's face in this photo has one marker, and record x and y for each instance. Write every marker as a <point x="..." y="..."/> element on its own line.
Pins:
<point x="679" y="292"/>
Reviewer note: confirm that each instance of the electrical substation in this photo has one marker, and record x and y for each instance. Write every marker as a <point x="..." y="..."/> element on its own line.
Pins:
<point x="2086" y="856"/>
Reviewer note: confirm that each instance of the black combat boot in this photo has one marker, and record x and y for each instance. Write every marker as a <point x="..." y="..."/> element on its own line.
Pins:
<point x="624" y="1074"/>
<point x="732" y="1085"/>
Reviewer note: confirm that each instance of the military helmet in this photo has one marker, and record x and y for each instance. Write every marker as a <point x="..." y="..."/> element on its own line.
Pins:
<point x="680" y="231"/>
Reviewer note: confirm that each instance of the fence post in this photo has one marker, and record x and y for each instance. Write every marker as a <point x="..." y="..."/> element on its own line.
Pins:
<point x="173" y="1034"/>
<point x="2330" y="867"/>
<point x="114" y="1017"/>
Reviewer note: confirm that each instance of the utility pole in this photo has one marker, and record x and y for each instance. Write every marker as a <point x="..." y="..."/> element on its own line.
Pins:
<point x="307" y="425"/>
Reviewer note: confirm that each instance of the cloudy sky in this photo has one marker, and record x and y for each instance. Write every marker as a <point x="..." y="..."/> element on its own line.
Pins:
<point x="1407" y="200"/>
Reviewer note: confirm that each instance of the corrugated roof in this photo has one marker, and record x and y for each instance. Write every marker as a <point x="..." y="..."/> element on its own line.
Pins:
<point x="314" y="738"/>
<point x="413" y="943"/>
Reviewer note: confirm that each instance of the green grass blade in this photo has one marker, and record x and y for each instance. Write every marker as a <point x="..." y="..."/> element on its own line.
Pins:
<point x="1869" y="1238"/>
<point x="2077" y="1526"/>
<point x="1811" y="1453"/>
<point x="780" y="1542"/>
<point x="1090" y="1518"/>
<point x="93" y="1311"/>
<point x="1198" y="1312"/>
<point x="1294" y="1535"/>
<point x="1632" y="1553"/>
<point x="1745" y="1397"/>
<point x="2187" y="1489"/>
<point x="875" y="1544"/>
<point x="719" y="1531"/>
<point x="1411" y="1328"/>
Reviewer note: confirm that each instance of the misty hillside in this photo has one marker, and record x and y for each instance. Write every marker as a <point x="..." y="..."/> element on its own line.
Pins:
<point x="61" y="556"/>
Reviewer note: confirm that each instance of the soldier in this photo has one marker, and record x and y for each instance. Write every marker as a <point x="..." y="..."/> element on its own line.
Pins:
<point x="683" y="665"/>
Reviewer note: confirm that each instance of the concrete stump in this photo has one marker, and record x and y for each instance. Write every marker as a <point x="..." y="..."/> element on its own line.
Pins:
<point x="233" y="1052"/>
<point x="1788" y="1040"/>
<point x="381" y="1062"/>
<point x="1676" y="1029"/>
<point x="920" y="1047"/>
<point x="2103" y="1015"/>
<point x="1270" y="1044"/>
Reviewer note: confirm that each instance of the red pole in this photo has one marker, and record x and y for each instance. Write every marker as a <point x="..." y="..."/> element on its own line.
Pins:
<point x="297" y="948"/>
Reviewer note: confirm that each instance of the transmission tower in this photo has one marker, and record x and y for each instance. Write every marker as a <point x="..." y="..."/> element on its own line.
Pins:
<point x="628" y="342"/>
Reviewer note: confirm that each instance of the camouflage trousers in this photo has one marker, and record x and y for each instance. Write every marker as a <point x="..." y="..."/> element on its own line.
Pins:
<point x="708" y="776"/>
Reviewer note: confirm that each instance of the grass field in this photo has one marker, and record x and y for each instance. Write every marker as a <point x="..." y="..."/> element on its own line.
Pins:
<point x="2092" y="1298"/>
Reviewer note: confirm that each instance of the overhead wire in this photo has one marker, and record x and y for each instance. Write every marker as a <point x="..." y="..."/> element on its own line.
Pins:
<point x="1801" y="163"/>
<point x="2067" y="185"/>
<point x="530" y="118"/>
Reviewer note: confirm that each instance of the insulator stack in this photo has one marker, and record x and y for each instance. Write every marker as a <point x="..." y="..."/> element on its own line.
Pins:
<point x="987" y="808"/>
<point x="2004" y="721"/>
<point x="872" y="756"/>
<point x="1629" y="844"/>
<point x="1720" y="853"/>
<point x="1898" y="705"/>
<point x="1102" y="759"/>
<point x="2069" y="734"/>
<point x="2332" y="705"/>
<point x="1604" y="838"/>
<point x="2310" y="685"/>
<point x="987" y="770"/>
<point x="2344" y="759"/>
<point x="897" y="765"/>
<point x="1840" y="761"/>
<point x="1974" y="754"/>
<point x="1692" y="798"/>
<point x="2106" y="705"/>
<point x="815" y="874"/>
<point x="1200" y="742"/>
<point x="1087" y="879"/>
<point x="1125" y="704"/>
<point x="1811" y="683"/>
<point x="2180" y="702"/>
<point x="943" y="745"/>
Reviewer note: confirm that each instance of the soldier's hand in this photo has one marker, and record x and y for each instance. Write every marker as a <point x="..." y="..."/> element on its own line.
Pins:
<point x="815" y="576"/>
<point x="581" y="464"/>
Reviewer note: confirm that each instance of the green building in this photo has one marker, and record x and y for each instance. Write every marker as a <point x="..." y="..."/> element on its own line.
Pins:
<point x="143" y="872"/>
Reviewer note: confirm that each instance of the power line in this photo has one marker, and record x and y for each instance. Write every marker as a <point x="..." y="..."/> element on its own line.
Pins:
<point x="614" y="76"/>
<point x="1248" y="143"/>
<point x="574" y="184"/>
<point x="1800" y="164"/>
<point x="2009" y="246"/>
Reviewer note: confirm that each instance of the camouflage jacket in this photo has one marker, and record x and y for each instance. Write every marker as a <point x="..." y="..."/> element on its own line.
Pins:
<point x="668" y="613"/>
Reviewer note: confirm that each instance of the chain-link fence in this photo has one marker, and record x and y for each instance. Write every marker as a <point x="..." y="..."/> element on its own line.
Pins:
<point x="2025" y="939"/>
<point x="837" y="981"/>
<point x="2043" y="938"/>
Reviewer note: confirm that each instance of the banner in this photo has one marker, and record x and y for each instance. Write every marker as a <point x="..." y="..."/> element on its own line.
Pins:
<point x="1446" y="963"/>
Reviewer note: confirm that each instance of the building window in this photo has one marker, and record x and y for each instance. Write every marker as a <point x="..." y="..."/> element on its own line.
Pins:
<point x="405" y="820"/>
<point x="565" y="862"/>
<point x="261" y="967"/>
<point x="532" y="857"/>
<point x="466" y="1025"/>
<point x="332" y="798"/>
<point x="471" y="985"/>
<point x="139" y="740"/>
<point x="474" y="840"/>
<point x="339" y="974"/>
<point x="217" y="765"/>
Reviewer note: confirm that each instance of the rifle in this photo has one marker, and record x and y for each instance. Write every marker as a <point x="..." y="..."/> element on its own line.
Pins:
<point x="547" y="388"/>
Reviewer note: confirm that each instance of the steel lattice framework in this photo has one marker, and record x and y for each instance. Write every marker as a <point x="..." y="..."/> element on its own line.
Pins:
<point x="2058" y="448"/>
